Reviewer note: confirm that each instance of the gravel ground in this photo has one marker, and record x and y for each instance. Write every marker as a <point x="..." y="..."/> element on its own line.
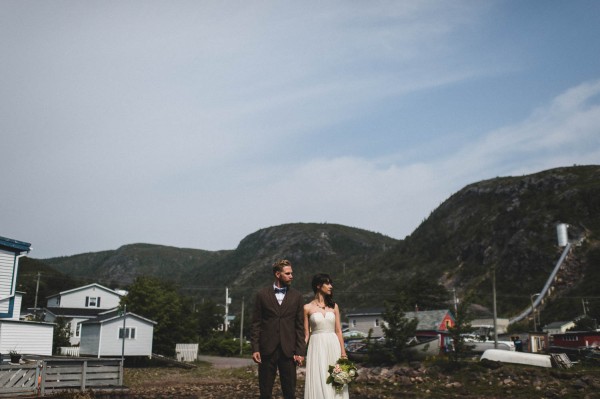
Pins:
<point x="225" y="378"/>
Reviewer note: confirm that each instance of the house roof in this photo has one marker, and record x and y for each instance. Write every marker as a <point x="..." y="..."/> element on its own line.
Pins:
<point x="84" y="287"/>
<point x="14" y="245"/>
<point x="114" y="314"/>
<point x="428" y="319"/>
<point x="557" y="324"/>
<point x="367" y="312"/>
<point x="75" y="312"/>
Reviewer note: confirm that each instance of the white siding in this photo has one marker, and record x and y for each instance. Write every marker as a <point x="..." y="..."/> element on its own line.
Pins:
<point x="53" y="302"/>
<point x="90" y="340"/>
<point x="4" y="305"/>
<point x="17" y="307"/>
<point x="74" y="339"/>
<point x="141" y="345"/>
<point x="77" y="298"/>
<point x="7" y="272"/>
<point x="364" y="323"/>
<point x="26" y="337"/>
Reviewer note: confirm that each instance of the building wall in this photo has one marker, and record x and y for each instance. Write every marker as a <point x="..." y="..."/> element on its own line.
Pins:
<point x="74" y="339"/>
<point x="561" y="329"/>
<point x="77" y="298"/>
<point x="26" y="337"/>
<point x="103" y="339"/>
<point x="17" y="306"/>
<point x="7" y="282"/>
<point x="7" y="273"/>
<point x="141" y="345"/>
<point x="577" y="339"/>
<point x="90" y="340"/>
<point x="364" y="323"/>
<point x="53" y="302"/>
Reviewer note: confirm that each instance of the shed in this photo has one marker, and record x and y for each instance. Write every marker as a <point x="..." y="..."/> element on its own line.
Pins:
<point x="113" y="334"/>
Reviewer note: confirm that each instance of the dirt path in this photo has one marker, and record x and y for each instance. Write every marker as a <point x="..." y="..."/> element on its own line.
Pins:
<point x="226" y="362"/>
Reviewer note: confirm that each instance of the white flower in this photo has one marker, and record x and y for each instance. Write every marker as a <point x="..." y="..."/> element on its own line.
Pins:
<point x="341" y="377"/>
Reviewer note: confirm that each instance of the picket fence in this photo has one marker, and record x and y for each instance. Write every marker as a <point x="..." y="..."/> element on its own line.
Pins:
<point x="186" y="352"/>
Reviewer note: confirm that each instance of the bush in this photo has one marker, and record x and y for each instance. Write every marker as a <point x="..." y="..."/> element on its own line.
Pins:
<point x="222" y="345"/>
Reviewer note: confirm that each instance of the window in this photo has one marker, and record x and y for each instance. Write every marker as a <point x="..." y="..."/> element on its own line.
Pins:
<point x="129" y="333"/>
<point x="78" y="330"/>
<point x="92" y="302"/>
<point x="376" y="322"/>
<point x="354" y="323"/>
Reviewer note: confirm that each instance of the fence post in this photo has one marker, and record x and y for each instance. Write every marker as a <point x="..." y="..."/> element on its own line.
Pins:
<point x="121" y="371"/>
<point x="43" y="382"/>
<point x="83" y="375"/>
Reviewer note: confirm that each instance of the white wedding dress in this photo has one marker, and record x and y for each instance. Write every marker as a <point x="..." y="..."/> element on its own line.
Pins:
<point x="323" y="350"/>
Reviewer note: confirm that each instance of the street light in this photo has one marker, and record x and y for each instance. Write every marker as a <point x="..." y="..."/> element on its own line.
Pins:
<point x="533" y="310"/>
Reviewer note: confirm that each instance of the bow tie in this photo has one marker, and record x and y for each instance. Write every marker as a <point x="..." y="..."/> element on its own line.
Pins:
<point x="280" y="290"/>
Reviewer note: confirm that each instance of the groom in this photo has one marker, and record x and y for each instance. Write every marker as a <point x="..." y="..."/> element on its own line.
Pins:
<point x="278" y="332"/>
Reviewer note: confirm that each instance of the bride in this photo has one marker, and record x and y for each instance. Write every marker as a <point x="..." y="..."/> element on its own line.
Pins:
<point x="323" y="334"/>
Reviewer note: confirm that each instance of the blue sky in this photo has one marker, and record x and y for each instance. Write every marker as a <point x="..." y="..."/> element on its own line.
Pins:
<point x="196" y="123"/>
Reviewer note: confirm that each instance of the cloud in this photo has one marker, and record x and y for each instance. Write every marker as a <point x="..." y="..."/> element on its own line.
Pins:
<point x="197" y="124"/>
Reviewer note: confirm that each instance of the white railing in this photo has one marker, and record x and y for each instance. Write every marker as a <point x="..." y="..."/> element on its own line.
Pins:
<point x="72" y="351"/>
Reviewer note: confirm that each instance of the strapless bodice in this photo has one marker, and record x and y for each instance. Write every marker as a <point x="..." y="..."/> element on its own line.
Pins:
<point x="322" y="322"/>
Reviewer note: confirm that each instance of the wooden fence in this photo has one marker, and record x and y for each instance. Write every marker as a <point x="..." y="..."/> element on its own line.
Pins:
<point x="19" y="380"/>
<point x="56" y="375"/>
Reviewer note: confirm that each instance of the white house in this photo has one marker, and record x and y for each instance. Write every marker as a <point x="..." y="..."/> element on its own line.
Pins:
<point x="558" y="327"/>
<point x="113" y="334"/>
<point x="25" y="337"/>
<point x="80" y="304"/>
<point x="93" y="296"/>
<point x="367" y="320"/>
<point x="429" y="321"/>
<point x="74" y="316"/>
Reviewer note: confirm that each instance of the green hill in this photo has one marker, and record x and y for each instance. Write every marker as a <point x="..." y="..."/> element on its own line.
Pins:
<point x="506" y="223"/>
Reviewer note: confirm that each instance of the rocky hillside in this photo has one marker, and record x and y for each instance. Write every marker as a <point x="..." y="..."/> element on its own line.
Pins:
<point x="506" y="223"/>
<point x="510" y="224"/>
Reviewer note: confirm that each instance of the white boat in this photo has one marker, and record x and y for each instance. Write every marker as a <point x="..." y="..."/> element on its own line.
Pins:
<point x="482" y="346"/>
<point x="531" y="359"/>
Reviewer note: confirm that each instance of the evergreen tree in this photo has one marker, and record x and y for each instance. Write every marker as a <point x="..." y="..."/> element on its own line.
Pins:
<point x="398" y="329"/>
<point x="462" y="325"/>
<point x="208" y="318"/>
<point x="159" y="300"/>
<point x="61" y="335"/>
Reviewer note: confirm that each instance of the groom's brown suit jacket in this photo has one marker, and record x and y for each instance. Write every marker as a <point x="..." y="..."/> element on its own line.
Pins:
<point x="274" y="324"/>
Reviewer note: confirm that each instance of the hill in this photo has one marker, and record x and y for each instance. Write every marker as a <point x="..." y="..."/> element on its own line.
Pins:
<point x="506" y="223"/>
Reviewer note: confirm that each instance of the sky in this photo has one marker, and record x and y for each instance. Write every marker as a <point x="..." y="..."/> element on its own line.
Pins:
<point x="196" y="123"/>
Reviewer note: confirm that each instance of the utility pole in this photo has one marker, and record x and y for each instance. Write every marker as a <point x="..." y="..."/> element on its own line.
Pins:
<point x="37" y="288"/>
<point x="242" y="328"/>
<point x="533" y="310"/>
<point x="495" y="313"/>
<point x="227" y="302"/>
<point x="455" y="303"/>
<point x="584" y="303"/>
<point x="124" y="329"/>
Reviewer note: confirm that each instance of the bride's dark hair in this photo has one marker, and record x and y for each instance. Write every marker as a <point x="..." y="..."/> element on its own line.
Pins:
<point x="317" y="281"/>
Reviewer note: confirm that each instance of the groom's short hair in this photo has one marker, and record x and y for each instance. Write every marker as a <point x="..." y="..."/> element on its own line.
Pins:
<point x="280" y="264"/>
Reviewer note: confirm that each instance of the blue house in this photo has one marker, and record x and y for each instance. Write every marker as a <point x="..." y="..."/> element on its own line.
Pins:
<point x="25" y="337"/>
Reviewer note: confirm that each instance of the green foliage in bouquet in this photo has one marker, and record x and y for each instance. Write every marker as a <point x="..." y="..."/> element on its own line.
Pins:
<point x="343" y="372"/>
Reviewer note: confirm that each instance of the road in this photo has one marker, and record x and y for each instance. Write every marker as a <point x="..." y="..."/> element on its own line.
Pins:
<point x="227" y="362"/>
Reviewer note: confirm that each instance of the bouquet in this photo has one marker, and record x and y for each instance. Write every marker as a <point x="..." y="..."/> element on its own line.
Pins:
<point x="343" y="372"/>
